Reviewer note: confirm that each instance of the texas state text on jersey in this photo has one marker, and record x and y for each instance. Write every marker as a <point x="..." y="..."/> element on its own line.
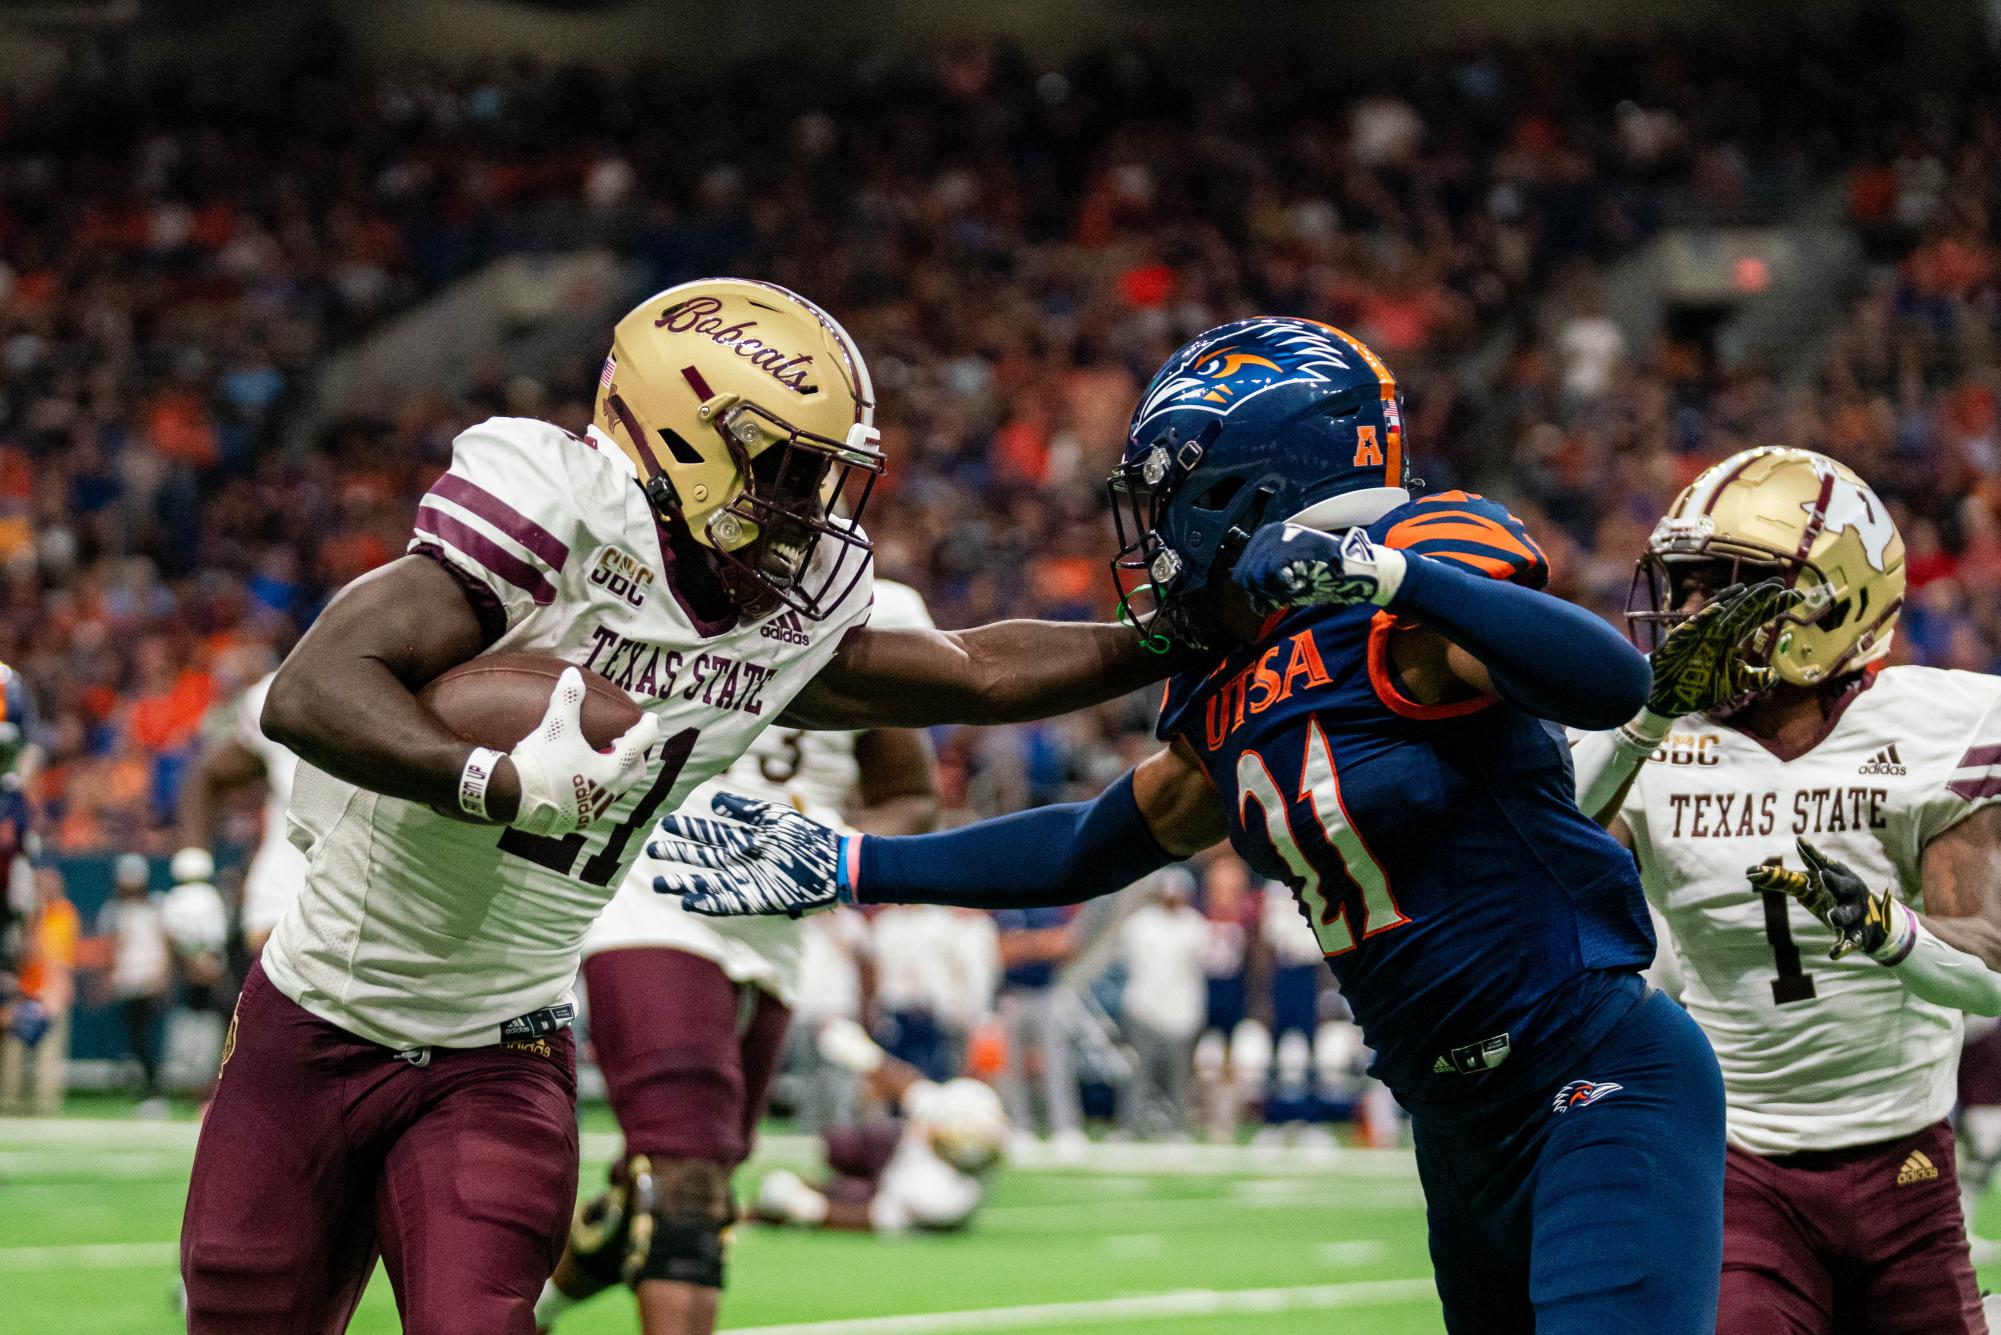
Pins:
<point x="1436" y="850"/>
<point x="1816" y="1053"/>
<point x="812" y="770"/>
<point x="414" y="929"/>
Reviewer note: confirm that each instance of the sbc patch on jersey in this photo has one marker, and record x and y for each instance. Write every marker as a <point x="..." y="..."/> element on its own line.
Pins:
<point x="1578" y="1093"/>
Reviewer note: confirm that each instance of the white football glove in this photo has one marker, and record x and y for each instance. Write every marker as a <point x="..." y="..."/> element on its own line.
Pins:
<point x="1285" y="565"/>
<point x="566" y="783"/>
<point x="845" y="1044"/>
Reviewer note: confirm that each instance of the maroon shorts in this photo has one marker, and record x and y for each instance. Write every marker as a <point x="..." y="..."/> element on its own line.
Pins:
<point x="1980" y="1072"/>
<point x="857" y="1156"/>
<point x="1862" y="1240"/>
<point x="687" y="1054"/>
<point x="321" y="1150"/>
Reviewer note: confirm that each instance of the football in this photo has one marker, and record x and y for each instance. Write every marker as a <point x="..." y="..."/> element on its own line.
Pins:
<point x="497" y="699"/>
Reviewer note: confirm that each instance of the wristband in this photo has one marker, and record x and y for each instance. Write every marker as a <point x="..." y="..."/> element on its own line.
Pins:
<point x="847" y="862"/>
<point x="1640" y="736"/>
<point x="1606" y="761"/>
<point x="1903" y="938"/>
<point x="473" y="781"/>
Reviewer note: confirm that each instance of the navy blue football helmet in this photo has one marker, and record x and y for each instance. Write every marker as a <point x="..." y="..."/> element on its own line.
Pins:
<point x="1254" y="421"/>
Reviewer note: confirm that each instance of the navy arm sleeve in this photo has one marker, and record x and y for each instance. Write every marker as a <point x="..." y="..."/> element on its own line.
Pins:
<point x="1546" y="656"/>
<point x="1052" y="855"/>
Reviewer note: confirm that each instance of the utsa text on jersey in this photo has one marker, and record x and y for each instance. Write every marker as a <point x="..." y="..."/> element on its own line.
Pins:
<point x="1262" y="684"/>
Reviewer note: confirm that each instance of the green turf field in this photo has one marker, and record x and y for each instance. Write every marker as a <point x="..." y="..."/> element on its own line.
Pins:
<point x="1150" y="1239"/>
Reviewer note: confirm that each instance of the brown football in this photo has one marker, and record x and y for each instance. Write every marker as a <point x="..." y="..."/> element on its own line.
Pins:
<point x="497" y="699"/>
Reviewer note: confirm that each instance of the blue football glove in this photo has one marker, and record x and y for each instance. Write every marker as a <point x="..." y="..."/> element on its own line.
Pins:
<point x="1285" y="565"/>
<point x="29" y="1021"/>
<point x="760" y="859"/>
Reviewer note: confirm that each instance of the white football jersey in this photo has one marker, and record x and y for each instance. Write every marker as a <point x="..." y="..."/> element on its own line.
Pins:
<point x="418" y="930"/>
<point x="813" y="771"/>
<point x="277" y="870"/>
<point x="918" y="1189"/>
<point x="1816" y="1053"/>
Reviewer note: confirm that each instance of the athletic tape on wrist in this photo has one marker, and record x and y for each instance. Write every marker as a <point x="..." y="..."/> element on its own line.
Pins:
<point x="1643" y="734"/>
<point x="1901" y="941"/>
<point x="474" y="779"/>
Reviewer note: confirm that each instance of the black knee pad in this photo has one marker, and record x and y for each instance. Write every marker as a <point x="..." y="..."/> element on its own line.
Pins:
<point x="612" y="1230"/>
<point x="692" y="1209"/>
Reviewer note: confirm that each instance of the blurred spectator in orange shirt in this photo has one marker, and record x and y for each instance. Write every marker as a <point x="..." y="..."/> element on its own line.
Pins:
<point x="31" y="1079"/>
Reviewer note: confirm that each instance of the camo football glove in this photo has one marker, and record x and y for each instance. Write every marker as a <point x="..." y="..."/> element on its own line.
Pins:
<point x="1285" y="565"/>
<point x="1701" y="664"/>
<point x="761" y="858"/>
<point x="1870" y="923"/>
<point x="566" y="783"/>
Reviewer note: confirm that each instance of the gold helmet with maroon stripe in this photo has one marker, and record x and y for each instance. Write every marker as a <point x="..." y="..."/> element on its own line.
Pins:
<point x="1802" y="517"/>
<point x="749" y="415"/>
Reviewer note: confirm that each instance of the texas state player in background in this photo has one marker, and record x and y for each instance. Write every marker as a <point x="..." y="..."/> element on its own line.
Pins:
<point x="1842" y="779"/>
<point x="1383" y="740"/>
<point x="688" y="1081"/>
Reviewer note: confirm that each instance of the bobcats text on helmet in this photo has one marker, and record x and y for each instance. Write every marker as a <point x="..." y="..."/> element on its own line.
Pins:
<point x="1805" y="518"/>
<point x="748" y="414"/>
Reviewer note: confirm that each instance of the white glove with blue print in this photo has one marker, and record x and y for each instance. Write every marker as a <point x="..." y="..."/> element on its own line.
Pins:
<point x="760" y="858"/>
<point x="1285" y="565"/>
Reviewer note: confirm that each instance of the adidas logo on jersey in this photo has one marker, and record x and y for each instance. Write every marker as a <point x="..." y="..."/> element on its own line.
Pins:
<point x="1917" y="1168"/>
<point x="1886" y="761"/>
<point x="787" y="628"/>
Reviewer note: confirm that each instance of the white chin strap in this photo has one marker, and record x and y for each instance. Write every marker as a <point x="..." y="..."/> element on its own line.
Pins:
<point x="1350" y="509"/>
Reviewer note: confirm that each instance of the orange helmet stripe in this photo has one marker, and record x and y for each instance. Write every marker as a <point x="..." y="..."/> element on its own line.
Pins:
<point x="1393" y="449"/>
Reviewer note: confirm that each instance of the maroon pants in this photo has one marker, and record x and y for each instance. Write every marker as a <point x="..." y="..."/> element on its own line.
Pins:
<point x="1980" y="1072"/>
<point x="857" y="1156"/>
<point x="321" y="1150"/>
<point x="687" y="1054"/>
<point x="1861" y="1240"/>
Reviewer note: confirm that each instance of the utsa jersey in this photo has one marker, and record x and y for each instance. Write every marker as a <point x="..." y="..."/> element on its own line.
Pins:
<point x="811" y="770"/>
<point x="19" y="845"/>
<point x="1816" y="1053"/>
<point x="418" y="930"/>
<point x="1436" y="850"/>
<point x="277" y="870"/>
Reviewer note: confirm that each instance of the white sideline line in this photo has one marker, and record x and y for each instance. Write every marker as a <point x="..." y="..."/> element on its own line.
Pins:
<point x="1109" y="1311"/>
<point x="1372" y="1197"/>
<point x="24" y="1133"/>
<point x="90" y="1256"/>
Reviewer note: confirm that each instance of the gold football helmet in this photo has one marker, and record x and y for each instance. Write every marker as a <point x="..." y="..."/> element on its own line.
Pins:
<point x="748" y="413"/>
<point x="1802" y="517"/>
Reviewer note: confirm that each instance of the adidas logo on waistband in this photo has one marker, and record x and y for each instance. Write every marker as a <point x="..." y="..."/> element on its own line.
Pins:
<point x="1886" y="761"/>
<point x="1917" y="1168"/>
<point x="787" y="627"/>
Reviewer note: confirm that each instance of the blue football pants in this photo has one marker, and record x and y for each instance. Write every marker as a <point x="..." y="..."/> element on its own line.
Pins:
<point x="1592" y="1202"/>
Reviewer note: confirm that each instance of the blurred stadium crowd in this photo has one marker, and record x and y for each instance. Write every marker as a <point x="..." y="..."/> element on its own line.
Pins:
<point x="1016" y="248"/>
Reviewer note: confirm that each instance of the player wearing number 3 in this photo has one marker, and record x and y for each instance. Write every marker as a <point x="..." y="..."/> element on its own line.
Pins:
<point x="1868" y="794"/>
<point x="1374" y="725"/>
<point x="400" y="1077"/>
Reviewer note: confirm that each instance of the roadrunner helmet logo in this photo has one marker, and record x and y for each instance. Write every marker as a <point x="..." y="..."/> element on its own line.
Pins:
<point x="1221" y="375"/>
<point x="1580" y="1093"/>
